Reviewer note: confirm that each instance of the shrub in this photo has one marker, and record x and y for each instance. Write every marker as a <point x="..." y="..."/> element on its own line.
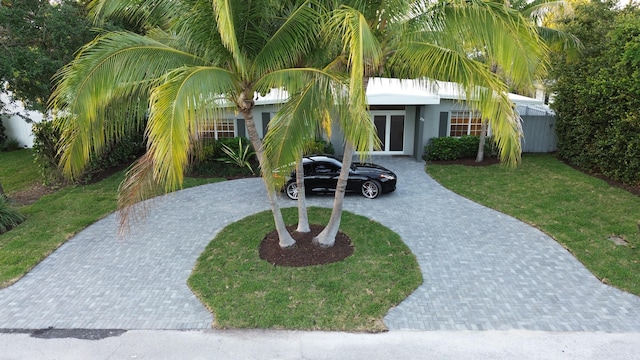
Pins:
<point x="3" y="135"/>
<point x="11" y="144"/>
<point x="9" y="218"/>
<point x="116" y="154"/>
<point x="239" y="155"/>
<point x="319" y="146"/>
<point x="213" y="159"/>
<point x="451" y="148"/>
<point x="45" y="148"/>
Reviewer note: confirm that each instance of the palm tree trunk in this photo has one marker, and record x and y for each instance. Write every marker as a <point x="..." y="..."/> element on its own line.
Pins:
<point x="303" y="219"/>
<point x="285" y="238"/>
<point x="483" y="136"/>
<point x="328" y="235"/>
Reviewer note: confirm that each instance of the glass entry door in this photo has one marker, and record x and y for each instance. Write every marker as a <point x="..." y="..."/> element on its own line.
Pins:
<point x="390" y="129"/>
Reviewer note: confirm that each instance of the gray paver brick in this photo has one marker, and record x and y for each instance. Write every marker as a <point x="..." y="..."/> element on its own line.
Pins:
<point x="482" y="270"/>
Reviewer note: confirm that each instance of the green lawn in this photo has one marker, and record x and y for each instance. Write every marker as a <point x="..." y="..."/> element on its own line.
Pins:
<point x="244" y="291"/>
<point x="17" y="170"/>
<point x="579" y="211"/>
<point x="54" y="218"/>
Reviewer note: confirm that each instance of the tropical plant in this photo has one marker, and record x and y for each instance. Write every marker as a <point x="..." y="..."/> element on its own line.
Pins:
<point x="9" y="218"/>
<point x="539" y="12"/>
<point x="198" y="59"/>
<point x="418" y="40"/>
<point x="239" y="156"/>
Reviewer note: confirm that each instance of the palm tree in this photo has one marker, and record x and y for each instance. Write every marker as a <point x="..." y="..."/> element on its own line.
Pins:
<point x="537" y="12"/>
<point x="197" y="60"/>
<point x="415" y="39"/>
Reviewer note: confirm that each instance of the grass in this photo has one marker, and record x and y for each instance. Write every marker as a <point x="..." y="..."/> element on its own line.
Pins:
<point x="244" y="291"/>
<point x="579" y="211"/>
<point x="18" y="170"/>
<point x="54" y="218"/>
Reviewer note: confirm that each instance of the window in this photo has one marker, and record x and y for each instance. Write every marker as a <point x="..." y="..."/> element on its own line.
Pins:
<point x="465" y="123"/>
<point x="220" y="128"/>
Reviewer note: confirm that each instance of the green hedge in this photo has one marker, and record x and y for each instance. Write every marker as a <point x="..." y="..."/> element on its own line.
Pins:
<point x="452" y="148"/>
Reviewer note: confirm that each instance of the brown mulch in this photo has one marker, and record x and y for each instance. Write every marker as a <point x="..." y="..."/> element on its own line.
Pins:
<point x="32" y="194"/>
<point x="304" y="252"/>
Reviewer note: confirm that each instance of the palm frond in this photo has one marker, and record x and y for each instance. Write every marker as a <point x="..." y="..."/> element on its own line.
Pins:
<point x="180" y="105"/>
<point x="506" y="37"/>
<point x="138" y="185"/>
<point x="148" y="13"/>
<point x="294" y="38"/>
<point x="299" y="119"/>
<point x="224" y="11"/>
<point x="483" y="89"/>
<point x="117" y="68"/>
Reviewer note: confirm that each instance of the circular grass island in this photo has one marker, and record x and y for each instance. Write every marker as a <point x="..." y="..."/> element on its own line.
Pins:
<point x="354" y="294"/>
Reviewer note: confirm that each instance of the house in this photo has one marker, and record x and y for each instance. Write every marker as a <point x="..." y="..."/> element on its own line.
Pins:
<point x="409" y="113"/>
<point x="406" y="114"/>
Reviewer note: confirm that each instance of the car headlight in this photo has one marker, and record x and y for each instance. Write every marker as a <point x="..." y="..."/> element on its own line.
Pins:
<point x="388" y="177"/>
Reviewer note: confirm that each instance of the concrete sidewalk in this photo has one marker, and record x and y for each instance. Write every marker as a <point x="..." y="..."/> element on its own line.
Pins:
<point x="255" y="344"/>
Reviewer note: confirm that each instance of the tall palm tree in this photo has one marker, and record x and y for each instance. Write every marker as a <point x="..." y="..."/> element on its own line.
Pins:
<point x="416" y="39"/>
<point x="537" y="12"/>
<point x="198" y="59"/>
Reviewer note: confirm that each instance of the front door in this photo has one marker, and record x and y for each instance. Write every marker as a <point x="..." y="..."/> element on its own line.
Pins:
<point x="390" y="128"/>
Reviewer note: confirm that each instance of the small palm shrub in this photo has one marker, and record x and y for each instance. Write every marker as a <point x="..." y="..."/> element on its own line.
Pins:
<point x="240" y="155"/>
<point x="9" y="218"/>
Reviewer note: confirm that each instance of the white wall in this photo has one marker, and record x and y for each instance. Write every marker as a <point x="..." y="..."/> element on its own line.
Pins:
<point x="18" y="121"/>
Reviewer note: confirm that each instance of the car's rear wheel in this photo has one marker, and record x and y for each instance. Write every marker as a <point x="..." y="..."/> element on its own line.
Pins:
<point x="292" y="190"/>
<point x="371" y="189"/>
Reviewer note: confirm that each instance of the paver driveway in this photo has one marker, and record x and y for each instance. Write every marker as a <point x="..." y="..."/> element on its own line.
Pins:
<point x="482" y="270"/>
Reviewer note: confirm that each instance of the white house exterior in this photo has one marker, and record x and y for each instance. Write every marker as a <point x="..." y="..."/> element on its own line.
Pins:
<point x="406" y="113"/>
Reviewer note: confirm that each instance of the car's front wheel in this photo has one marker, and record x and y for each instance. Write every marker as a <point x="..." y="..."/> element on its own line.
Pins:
<point x="371" y="189"/>
<point x="292" y="190"/>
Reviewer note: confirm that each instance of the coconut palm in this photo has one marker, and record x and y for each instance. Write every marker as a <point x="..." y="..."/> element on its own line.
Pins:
<point x="197" y="60"/>
<point x="414" y="39"/>
<point x="538" y="12"/>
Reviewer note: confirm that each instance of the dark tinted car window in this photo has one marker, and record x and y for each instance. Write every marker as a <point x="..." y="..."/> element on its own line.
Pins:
<point x="323" y="168"/>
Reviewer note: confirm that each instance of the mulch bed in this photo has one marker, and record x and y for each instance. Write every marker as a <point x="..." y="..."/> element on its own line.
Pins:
<point x="32" y="194"/>
<point x="467" y="162"/>
<point x="304" y="252"/>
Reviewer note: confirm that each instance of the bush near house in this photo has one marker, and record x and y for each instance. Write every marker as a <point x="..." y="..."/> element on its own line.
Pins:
<point x="115" y="156"/>
<point x="452" y="148"/>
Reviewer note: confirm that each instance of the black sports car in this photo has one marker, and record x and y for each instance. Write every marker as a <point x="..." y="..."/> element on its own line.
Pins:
<point x="321" y="175"/>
